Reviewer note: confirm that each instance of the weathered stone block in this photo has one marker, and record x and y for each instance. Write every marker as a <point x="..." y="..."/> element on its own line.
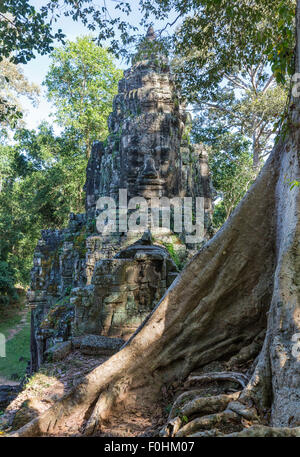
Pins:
<point x="100" y="345"/>
<point x="59" y="351"/>
<point x="114" y="297"/>
<point x="7" y="395"/>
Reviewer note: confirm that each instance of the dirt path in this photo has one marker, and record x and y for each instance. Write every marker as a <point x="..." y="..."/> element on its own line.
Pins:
<point x="11" y="334"/>
<point x="7" y="382"/>
<point x="15" y="330"/>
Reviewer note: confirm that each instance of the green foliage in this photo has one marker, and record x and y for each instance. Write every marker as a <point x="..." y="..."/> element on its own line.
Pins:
<point x="231" y="169"/>
<point x="237" y="120"/>
<point x="9" y="114"/>
<point x="253" y="111"/>
<point x="281" y="54"/>
<point x="218" y="37"/>
<point x="13" y="84"/>
<point x="13" y="366"/>
<point x="294" y="184"/>
<point x="230" y="162"/>
<point x="173" y="254"/>
<point x="82" y="81"/>
<point x="219" y="215"/>
<point x="7" y="281"/>
<point x="42" y="177"/>
<point x="55" y="167"/>
<point x="24" y="31"/>
<point x="222" y="62"/>
<point x="226" y="28"/>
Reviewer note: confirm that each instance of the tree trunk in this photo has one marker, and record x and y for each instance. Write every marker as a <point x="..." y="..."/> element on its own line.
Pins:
<point x="255" y="150"/>
<point x="242" y="284"/>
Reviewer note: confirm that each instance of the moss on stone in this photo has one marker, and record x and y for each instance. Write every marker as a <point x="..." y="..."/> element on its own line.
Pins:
<point x="91" y="226"/>
<point x="60" y="311"/>
<point x="173" y="254"/>
<point x="80" y="243"/>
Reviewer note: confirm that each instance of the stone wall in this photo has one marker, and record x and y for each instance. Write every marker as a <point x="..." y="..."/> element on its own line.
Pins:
<point x="124" y="291"/>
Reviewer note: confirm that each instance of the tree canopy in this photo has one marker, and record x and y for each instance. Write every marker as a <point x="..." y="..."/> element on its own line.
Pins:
<point x="230" y="163"/>
<point x="81" y="82"/>
<point x="13" y="85"/>
<point x="214" y="36"/>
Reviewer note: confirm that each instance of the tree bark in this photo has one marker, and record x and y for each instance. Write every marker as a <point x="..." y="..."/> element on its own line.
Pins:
<point x="244" y="282"/>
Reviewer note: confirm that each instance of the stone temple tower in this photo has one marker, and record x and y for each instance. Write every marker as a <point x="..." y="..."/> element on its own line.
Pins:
<point x="88" y="283"/>
<point x="147" y="151"/>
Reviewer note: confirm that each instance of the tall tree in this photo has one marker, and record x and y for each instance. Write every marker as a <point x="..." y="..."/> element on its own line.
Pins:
<point x="23" y="31"/>
<point x="82" y="81"/>
<point x="217" y="37"/>
<point x="223" y="64"/>
<point x="42" y="174"/>
<point x="250" y="103"/>
<point x="26" y="30"/>
<point x="230" y="164"/>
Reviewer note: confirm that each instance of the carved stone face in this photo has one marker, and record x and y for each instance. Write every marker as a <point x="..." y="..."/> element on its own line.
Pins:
<point x="149" y="170"/>
<point x="149" y="183"/>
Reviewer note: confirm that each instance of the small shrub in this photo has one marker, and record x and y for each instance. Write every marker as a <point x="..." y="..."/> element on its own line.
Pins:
<point x="7" y="284"/>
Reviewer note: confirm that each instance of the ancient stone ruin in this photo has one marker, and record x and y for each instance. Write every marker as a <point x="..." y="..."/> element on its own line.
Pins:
<point x="87" y="284"/>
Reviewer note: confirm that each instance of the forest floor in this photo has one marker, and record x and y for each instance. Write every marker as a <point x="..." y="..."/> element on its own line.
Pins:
<point x="56" y="379"/>
<point x="50" y="383"/>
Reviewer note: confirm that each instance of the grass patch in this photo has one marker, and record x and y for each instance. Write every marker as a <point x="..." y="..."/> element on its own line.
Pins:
<point x="11" y="367"/>
<point x="9" y="321"/>
<point x="10" y="316"/>
<point x="40" y="381"/>
<point x="173" y="255"/>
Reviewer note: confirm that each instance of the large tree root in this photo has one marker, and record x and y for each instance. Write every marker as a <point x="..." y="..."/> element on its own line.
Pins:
<point x="260" y="431"/>
<point x="213" y="412"/>
<point x="208" y="422"/>
<point x="222" y="376"/>
<point x="205" y="405"/>
<point x="199" y="405"/>
<point x="249" y="352"/>
<point x="264" y="431"/>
